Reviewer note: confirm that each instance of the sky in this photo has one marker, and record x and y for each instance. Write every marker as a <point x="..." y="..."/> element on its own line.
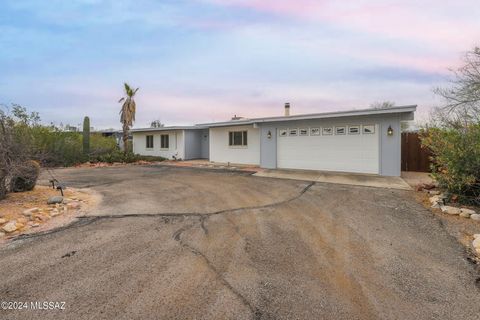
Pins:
<point x="198" y="61"/>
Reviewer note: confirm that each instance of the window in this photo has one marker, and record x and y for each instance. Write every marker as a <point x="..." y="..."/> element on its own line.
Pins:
<point x="237" y="138"/>
<point x="327" y="131"/>
<point x="164" y="141"/>
<point x="353" y="129"/>
<point x="369" y="129"/>
<point x="282" y="132"/>
<point x="293" y="132"/>
<point x="149" y="140"/>
<point x="314" y="131"/>
<point x="303" y="132"/>
<point x="340" y="130"/>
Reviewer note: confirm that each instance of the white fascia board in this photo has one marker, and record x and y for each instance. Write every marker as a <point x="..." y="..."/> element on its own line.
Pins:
<point x="326" y="115"/>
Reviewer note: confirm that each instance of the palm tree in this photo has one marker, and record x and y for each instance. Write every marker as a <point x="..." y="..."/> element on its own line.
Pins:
<point x="127" y="113"/>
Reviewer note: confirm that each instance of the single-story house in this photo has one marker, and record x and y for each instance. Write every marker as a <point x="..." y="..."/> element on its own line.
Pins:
<point x="361" y="141"/>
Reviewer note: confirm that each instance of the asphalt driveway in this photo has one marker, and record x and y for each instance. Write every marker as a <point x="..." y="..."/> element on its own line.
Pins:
<point x="182" y="243"/>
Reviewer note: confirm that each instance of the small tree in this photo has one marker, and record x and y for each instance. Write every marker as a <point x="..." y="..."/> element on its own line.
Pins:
<point x="16" y="148"/>
<point x="86" y="136"/>
<point x="156" y="124"/>
<point x="382" y="105"/>
<point x="462" y="98"/>
<point x="127" y="113"/>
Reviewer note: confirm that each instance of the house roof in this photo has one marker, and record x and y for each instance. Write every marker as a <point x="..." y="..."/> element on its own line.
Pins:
<point x="324" y="115"/>
<point x="196" y="127"/>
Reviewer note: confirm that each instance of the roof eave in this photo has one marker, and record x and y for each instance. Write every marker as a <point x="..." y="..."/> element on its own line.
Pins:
<point x="328" y="115"/>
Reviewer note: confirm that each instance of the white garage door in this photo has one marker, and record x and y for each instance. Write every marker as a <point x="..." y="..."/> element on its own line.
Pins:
<point x="354" y="150"/>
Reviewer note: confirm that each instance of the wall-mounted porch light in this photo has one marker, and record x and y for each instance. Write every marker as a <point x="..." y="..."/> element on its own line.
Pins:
<point x="390" y="131"/>
<point x="269" y="134"/>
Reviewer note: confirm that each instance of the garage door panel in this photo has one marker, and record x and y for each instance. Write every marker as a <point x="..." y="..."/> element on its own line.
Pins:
<point x="347" y="153"/>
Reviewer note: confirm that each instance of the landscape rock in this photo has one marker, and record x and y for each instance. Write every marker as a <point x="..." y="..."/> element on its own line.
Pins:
<point x="476" y="243"/>
<point x="2" y="234"/>
<point x="450" y="210"/>
<point x="30" y="211"/>
<point x="437" y="205"/>
<point x="434" y="192"/>
<point x="2" y="221"/>
<point x="73" y="205"/>
<point x="464" y="215"/>
<point x="10" y="227"/>
<point x="438" y="198"/>
<point x="35" y="225"/>
<point x="55" y="213"/>
<point x="475" y="217"/>
<point x="55" y="200"/>
<point x="477" y="235"/>
<point x="468" y="211"/>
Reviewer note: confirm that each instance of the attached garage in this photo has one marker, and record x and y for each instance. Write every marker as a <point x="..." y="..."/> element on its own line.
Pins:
<point x="340" y="147"/>
<point x="358" y="141"/>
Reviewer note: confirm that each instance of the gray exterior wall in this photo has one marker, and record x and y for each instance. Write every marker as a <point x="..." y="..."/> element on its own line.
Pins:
<point x="268" y="147"/>
<point x="196" y="144"/>
<point x="204" y="144"/>
<point x="389" y="146"/>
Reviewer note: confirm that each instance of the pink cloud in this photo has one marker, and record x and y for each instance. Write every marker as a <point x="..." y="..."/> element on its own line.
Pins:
<point x="432" y="22"/>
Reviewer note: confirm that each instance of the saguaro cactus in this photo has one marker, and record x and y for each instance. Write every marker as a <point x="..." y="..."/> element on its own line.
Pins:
<point x="86" y="136"/>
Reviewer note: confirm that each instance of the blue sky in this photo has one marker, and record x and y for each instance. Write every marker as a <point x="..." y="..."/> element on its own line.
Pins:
<point x="202" y="60"/>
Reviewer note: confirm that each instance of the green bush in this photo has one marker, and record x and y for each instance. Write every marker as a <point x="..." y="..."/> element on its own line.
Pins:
<point x="120" y="156"/>
<point x="456" y="160"/>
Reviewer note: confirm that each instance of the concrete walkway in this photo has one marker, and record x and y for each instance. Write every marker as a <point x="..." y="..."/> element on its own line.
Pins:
<point x="367" y="180"/>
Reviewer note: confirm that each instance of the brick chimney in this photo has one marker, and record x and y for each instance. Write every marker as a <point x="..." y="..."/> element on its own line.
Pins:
<point x="287" y="109"/>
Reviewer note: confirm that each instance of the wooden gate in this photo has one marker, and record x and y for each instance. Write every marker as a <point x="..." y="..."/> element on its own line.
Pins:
<point x="414" y="157"/>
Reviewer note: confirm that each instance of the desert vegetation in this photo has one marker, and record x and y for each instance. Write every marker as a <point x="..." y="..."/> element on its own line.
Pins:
<point x="26" y="144"/>
<point x="453" y="134"/>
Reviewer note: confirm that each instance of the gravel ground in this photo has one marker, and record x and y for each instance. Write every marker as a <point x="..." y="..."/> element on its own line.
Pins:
<point x="177" y="243"/>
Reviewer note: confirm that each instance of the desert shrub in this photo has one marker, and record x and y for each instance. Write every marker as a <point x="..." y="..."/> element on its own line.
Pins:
<point x="120" y="156"/>
<point x="25" y="176"/>
<point x="456" y="160"/>
<point x="102" y="145"/>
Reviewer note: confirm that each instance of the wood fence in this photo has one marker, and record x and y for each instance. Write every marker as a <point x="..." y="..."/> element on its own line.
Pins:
<point x="414" y="157"/>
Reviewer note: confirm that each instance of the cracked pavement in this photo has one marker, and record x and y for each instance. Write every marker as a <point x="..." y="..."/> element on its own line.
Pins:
<point x="183" y="243"/>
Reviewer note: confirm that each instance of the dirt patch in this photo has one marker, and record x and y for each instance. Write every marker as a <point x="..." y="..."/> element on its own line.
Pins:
<point x="30" y="213"/>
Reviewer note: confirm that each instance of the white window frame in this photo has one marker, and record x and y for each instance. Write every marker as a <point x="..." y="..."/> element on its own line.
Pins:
<point x="327" y="131"/>
<point x="161" y="141"/>
<point x="295" y="130"/>
<point x="338" y="128"/>
<point x="366" y="126"/>
<point x="354" y="126"/>
<point x="244" y="135"/>
<point x="303" y="134"/>
<point x="317" y="130"/>
<point x="146" y="141"/>
<point x="283" y="133"/>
